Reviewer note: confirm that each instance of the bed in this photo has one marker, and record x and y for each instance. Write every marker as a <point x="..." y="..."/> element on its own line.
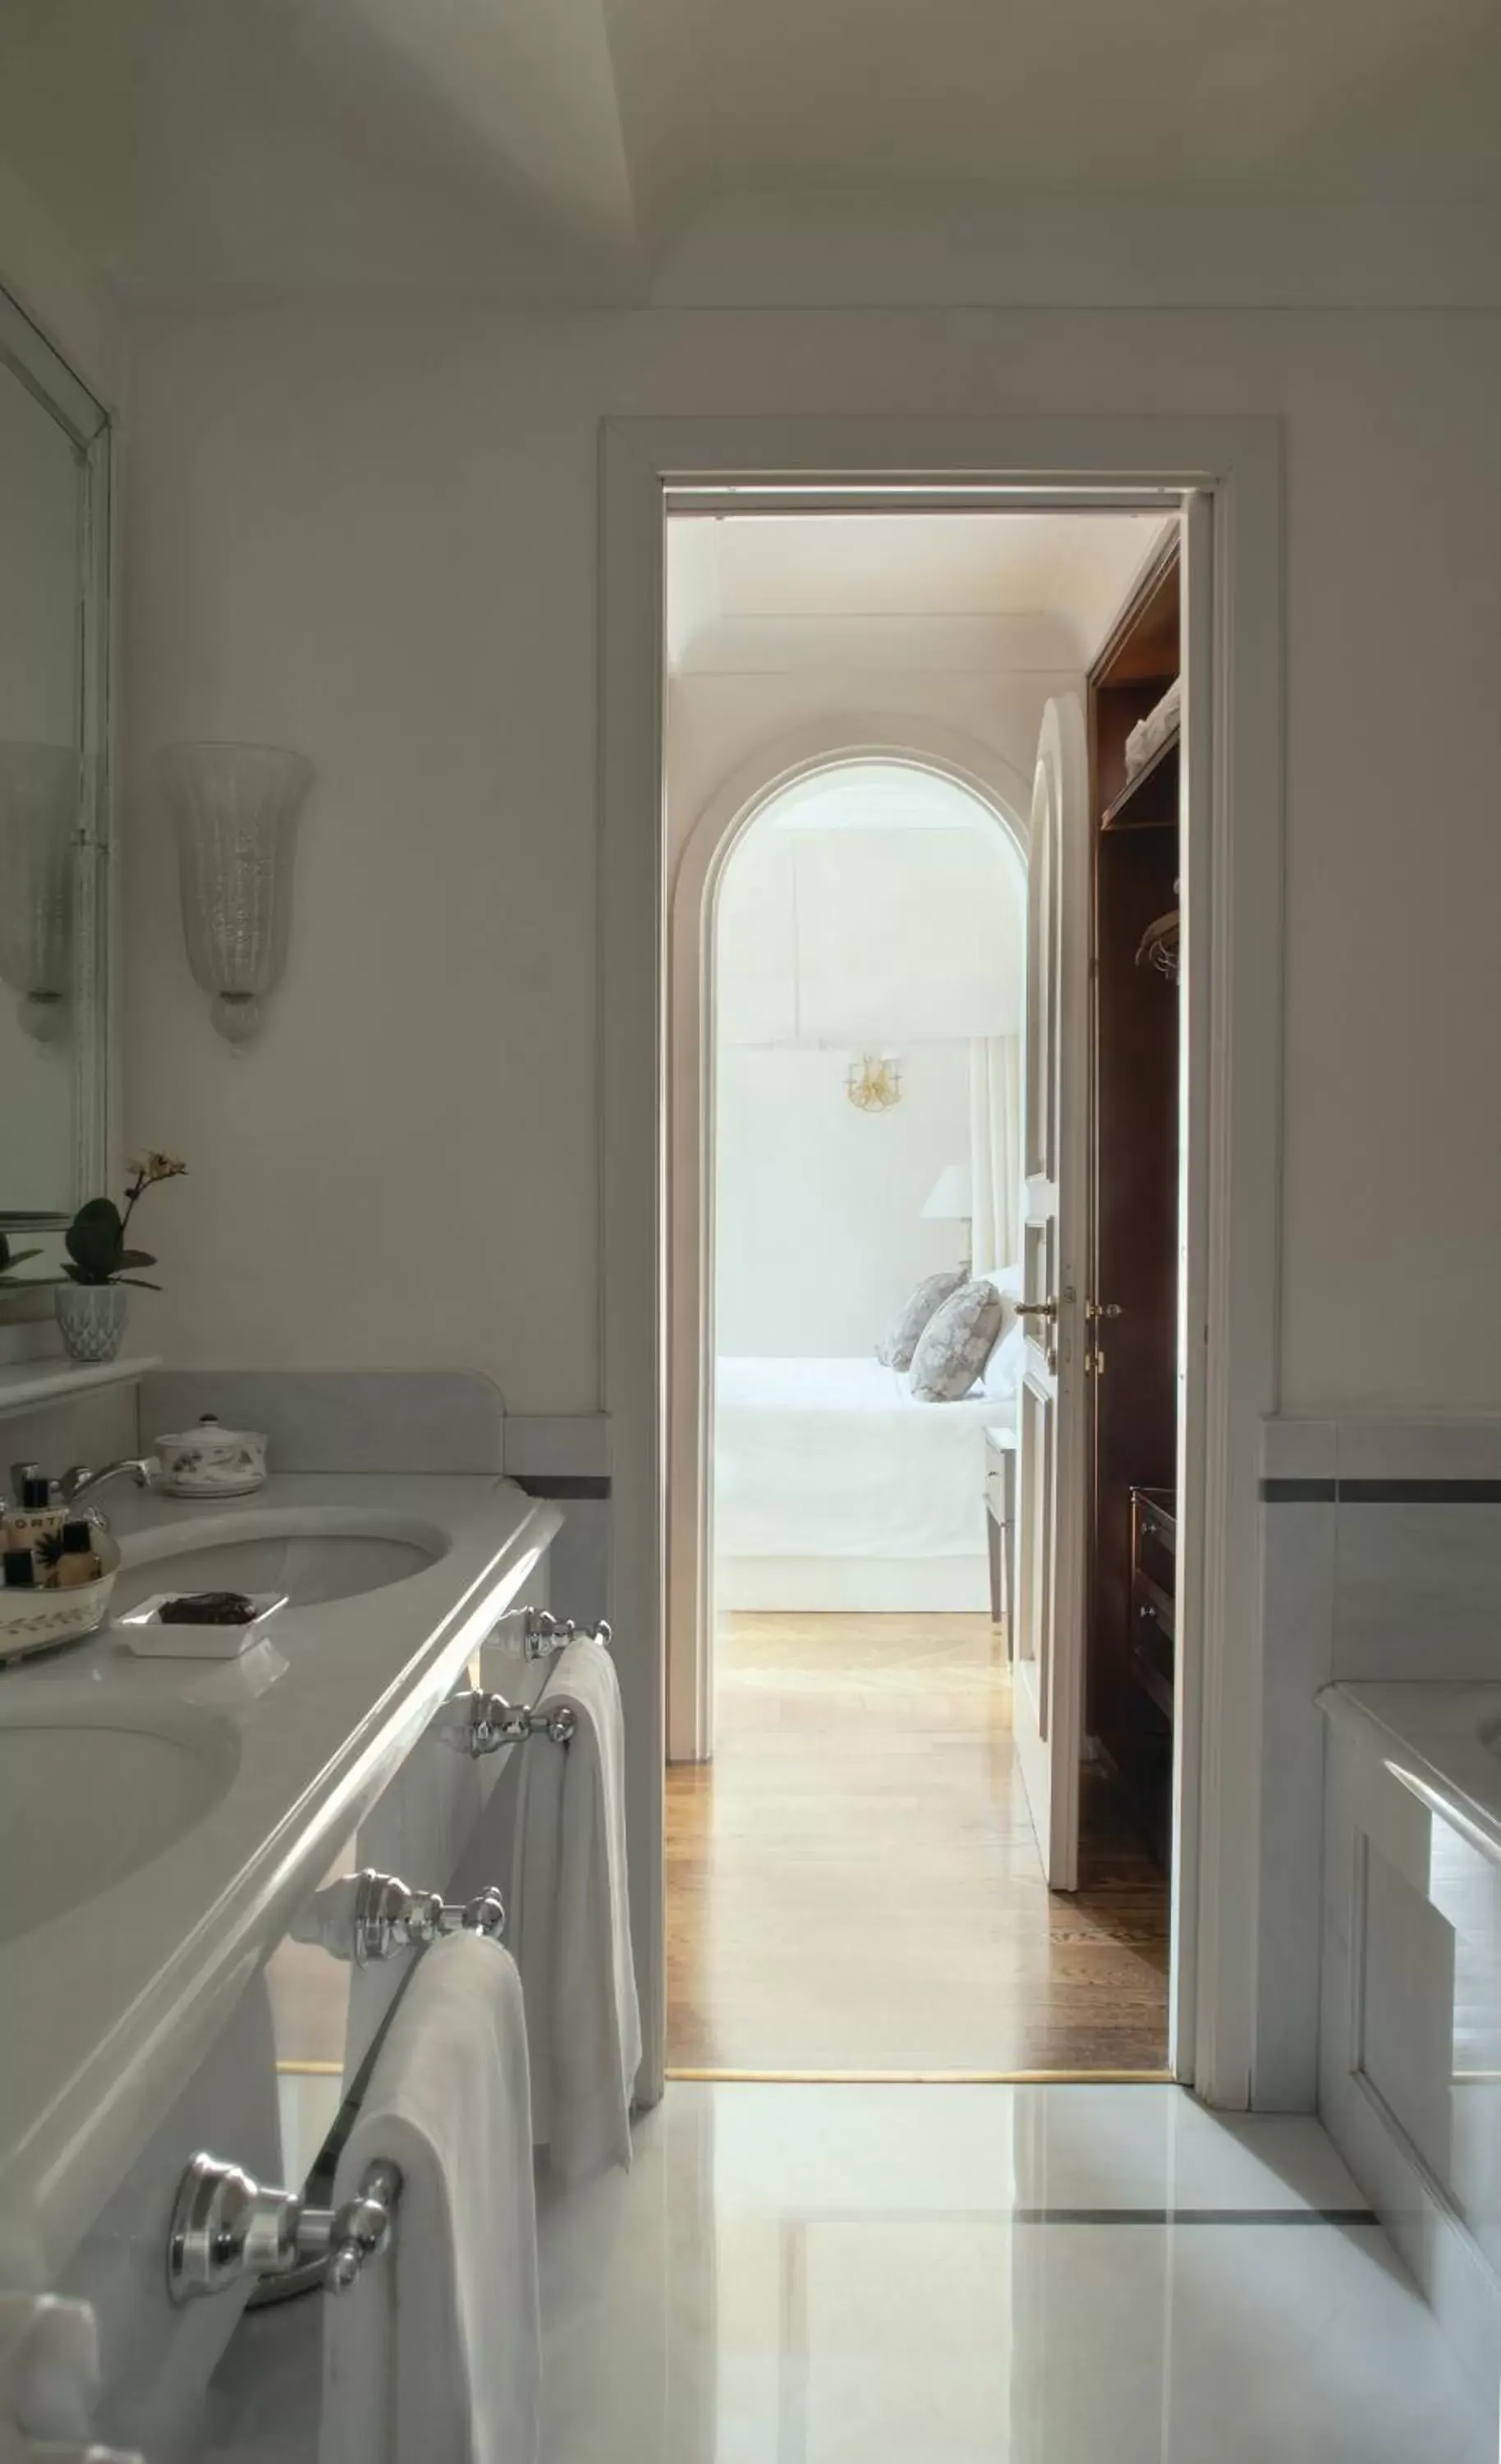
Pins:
<point x="835" y="1487"/>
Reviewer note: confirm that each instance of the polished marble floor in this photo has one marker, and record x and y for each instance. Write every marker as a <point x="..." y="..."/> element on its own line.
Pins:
<point x="1064" y="2275"/>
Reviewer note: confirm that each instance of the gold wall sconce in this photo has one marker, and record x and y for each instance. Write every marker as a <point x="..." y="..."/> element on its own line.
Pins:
<point x="874" y="1082"/>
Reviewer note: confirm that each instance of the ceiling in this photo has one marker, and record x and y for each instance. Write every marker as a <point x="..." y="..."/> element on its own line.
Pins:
<point x="732" y="575"/>
<point x="541" y="149"/>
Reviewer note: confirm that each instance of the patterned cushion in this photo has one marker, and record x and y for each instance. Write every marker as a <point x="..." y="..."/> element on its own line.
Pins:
<point x="956" y="1343"/>
<point x="895" y="1349"/>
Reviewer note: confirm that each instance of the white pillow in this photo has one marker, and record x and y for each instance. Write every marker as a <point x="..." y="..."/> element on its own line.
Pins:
<point x="1007" y="1281"/>
<point x="1002" y="1377"/>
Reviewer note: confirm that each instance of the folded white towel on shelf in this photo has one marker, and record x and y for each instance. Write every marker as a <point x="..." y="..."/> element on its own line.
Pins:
<point x="434" y="2356"/>
<point x="1154" y="729"/>
<point x="569" y="1923"/>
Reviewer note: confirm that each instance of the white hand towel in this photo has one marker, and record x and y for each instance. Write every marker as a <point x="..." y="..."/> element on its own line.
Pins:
<point x="434" y="2356"/>
<point x="571" y="1925"/>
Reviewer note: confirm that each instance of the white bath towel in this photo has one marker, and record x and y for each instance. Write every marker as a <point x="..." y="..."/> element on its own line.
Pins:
<point x="434" y="2356"/>
<point x="1154" y="729"/>
<point x="569" y="1923"/>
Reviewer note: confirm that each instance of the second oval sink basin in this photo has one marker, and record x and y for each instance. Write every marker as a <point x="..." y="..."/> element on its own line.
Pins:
<point x="90" y="1793"/>
<point x="271" y="1553"/>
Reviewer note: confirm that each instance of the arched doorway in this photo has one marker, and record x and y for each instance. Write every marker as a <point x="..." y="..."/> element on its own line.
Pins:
<point x="959" y="779"/>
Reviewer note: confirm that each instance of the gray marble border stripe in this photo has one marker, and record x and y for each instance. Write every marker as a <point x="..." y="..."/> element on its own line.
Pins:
<point x="1193" y="2216"/>
<point x="1381" y="1492"/>
<point x="563" y="1483"/>
<point x="1419" y="1492"/>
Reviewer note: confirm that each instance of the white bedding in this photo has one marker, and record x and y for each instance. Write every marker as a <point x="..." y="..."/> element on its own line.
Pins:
<point x="839" y="1458"/>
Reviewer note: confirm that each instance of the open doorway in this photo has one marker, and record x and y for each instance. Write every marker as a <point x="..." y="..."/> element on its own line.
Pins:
<point x="890" y="939"/>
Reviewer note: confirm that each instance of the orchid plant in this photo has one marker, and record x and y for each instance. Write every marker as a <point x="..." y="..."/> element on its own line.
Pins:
<point x="95" y="1239"/>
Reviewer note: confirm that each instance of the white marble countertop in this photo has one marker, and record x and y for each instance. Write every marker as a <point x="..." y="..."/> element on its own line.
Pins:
<point x="1441" y="1738"/>
<point x="106" y="2012"/>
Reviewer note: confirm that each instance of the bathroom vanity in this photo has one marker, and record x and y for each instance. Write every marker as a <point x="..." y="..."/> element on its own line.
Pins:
<point x="1410" y="2050"/>
<point x="171" y="1833"/>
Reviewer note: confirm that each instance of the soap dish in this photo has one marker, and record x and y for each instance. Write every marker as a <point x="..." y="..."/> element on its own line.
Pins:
<point x="143" y="1630"/>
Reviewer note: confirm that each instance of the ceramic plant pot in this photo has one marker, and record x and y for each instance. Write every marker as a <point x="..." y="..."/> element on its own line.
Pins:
<point x="92" y="1317"/>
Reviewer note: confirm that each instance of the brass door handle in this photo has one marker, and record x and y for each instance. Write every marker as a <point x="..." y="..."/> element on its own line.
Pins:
<point x="1094" y="1310"/>
<point x="1037" y="1309"/>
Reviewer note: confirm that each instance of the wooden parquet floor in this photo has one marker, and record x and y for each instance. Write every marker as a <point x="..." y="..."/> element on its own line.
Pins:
<point x="853" y="1882"/>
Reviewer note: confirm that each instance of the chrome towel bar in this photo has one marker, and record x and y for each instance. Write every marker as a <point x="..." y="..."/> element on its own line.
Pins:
<point x="372" y="1916"/>
<point x="227" y="2224"/>
<point x="542" y="1634"/>
<point x="493" y="1721"/>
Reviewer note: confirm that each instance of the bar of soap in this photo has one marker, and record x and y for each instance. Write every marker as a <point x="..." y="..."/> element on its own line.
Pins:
<point x="207" y="1608"/>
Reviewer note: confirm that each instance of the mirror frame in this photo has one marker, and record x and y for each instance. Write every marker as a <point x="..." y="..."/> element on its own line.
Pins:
<point x="31" y="358"/>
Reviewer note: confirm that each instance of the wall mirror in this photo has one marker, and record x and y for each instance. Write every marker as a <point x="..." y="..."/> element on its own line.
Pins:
<point x="54" y="470"/>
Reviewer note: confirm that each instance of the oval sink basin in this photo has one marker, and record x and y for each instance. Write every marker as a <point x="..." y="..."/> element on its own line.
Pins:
<point x="276" y="1553"/>
<point x="89" y="1794"/>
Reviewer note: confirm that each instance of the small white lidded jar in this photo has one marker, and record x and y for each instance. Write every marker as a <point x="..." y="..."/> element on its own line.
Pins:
<point x="211" y="1461"/>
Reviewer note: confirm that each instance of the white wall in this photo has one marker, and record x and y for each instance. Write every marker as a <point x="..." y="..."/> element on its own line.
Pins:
<point x="375" y="537"/>
<point x="832" y="941"/>
<point x="820" y="1235"/>
<point x="42" y="272"/>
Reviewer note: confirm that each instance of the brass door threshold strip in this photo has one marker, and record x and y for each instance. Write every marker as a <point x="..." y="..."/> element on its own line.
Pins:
<point x="922" y="2077"/>
<point x="310" y="2070"/>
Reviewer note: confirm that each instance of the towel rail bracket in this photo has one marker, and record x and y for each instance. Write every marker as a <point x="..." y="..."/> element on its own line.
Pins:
<point x="494" y="1722"/>
<point x="542" y="1633"/>
<point x="388" y="1917"/>
<point x="227" y="2224"/>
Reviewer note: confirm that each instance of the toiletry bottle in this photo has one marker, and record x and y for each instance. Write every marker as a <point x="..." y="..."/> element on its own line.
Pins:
<point x="19" y="1569"/>
<point x="35" y="1519"/>
<point x="77" y="1563"/>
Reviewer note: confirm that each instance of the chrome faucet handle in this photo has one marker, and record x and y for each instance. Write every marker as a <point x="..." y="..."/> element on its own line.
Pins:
<point x="79" y="1480"/>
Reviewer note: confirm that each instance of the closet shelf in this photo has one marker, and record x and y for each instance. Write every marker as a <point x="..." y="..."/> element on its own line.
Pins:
<point x="1148" y="801"/>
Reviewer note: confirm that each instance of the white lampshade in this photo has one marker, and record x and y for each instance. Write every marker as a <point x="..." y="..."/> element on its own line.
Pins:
<point x="951" y="1195"/>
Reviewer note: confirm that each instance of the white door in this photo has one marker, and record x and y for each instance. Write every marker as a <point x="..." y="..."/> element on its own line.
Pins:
<point x="1049" y="1659"/>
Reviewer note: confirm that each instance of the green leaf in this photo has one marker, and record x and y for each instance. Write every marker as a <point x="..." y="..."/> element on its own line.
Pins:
<point x="135" y="1258"/>
<point x="95" y="1239"/>
<point x="10" y="1257"/>
<point x="137" y="1283"/>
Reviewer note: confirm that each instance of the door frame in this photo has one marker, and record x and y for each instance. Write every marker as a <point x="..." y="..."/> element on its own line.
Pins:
<point x="692" y="892"/>
<point x="1230" y="470"/>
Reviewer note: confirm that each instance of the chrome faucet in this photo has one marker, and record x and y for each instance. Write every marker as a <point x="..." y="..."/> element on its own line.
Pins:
<point x="79" y="1482"/>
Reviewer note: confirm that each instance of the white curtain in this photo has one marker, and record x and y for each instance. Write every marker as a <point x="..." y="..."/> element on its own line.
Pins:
<point x="995" y="1148"/>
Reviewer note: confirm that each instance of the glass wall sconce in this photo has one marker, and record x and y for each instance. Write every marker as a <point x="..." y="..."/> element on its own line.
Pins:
<point x="874" y="1082"/>
<point x="39" y="791"/>
<point x="235" y="808"/>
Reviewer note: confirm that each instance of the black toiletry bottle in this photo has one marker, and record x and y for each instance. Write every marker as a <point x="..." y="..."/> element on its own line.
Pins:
<point x="19" y="1568"/>
<point x="76" y="1562"/>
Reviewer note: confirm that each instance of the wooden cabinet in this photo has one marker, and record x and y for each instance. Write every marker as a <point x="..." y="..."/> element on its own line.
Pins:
<point x="1134" y="1106"/>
